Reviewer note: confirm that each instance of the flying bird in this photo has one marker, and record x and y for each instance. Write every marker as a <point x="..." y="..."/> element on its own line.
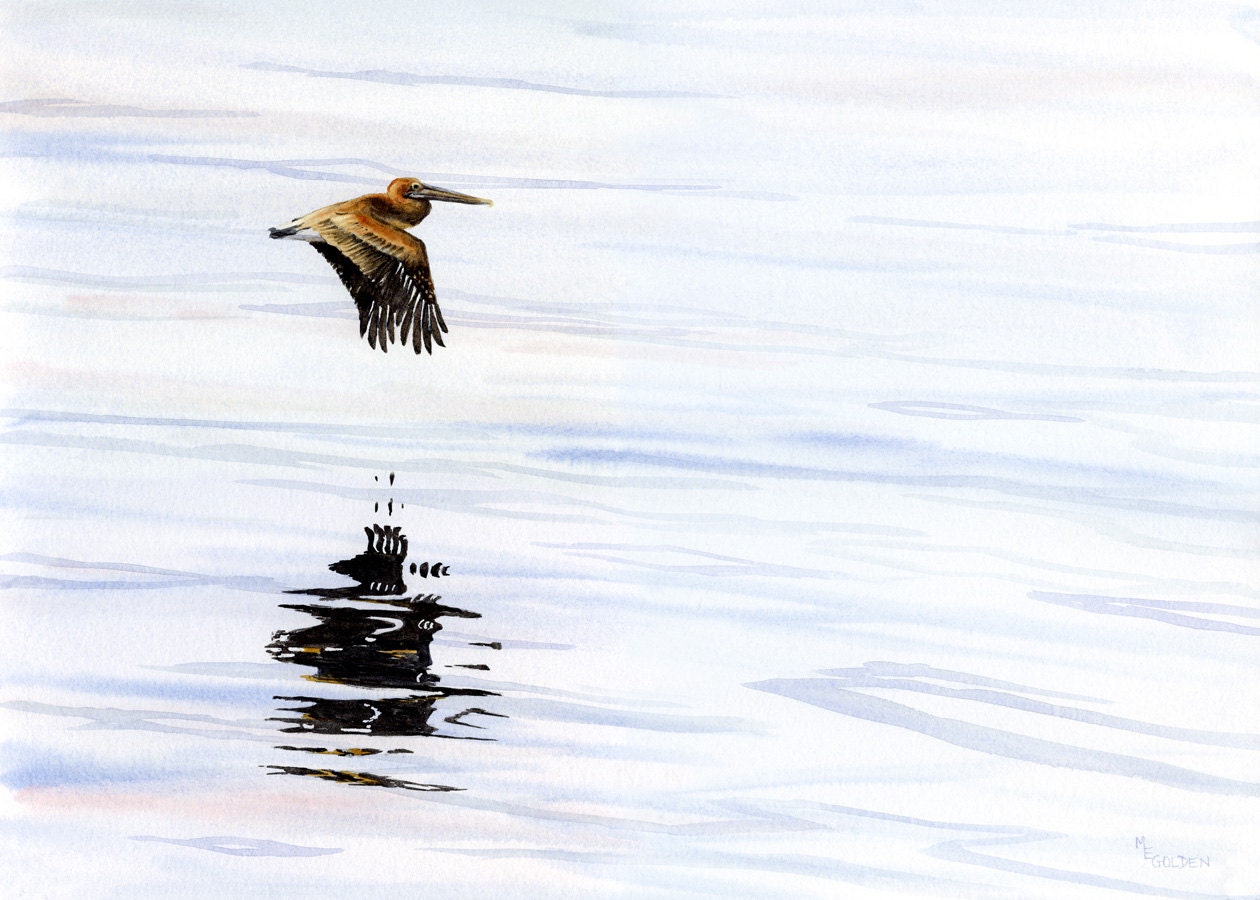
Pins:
<point x="385" y="269"/>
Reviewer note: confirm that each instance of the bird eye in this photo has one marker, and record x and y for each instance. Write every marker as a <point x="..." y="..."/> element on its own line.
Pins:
<point x="416" y="186"/>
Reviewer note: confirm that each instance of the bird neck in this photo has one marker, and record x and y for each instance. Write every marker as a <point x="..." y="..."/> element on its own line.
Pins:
<point x="402" y="212"/>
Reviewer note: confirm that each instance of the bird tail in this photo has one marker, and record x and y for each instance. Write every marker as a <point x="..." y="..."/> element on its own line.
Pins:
<point x="297" y="232"/>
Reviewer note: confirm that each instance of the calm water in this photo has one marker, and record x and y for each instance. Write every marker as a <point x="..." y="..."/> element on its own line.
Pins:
<point x="839" y="481"/>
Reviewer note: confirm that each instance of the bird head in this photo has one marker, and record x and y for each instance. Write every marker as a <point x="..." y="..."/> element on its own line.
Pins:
<point x="414" y="189"/>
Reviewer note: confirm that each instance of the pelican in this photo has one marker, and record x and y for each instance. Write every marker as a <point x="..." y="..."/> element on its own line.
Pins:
<point x="385" y="269"/>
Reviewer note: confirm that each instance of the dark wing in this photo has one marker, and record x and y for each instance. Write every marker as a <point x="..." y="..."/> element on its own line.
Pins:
<point x="386" y="271"/>
<point x="396" y="300"/>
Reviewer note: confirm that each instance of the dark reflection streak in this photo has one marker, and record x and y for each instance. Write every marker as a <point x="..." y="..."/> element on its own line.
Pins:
<point x="360" y="778"/>
<point x="371" y="635"/>
<point x="457" y="719"/>
<point x="352" y="751"/>
<point x="379" y="568"/>
<point x="383" y="647"/>
<point x="389" y="717"/>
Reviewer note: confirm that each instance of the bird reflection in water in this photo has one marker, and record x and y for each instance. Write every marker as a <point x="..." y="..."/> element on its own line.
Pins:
<point x="373" y="635"/>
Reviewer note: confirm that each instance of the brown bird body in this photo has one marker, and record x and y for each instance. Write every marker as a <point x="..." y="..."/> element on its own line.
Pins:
<point x="385" y="269"/>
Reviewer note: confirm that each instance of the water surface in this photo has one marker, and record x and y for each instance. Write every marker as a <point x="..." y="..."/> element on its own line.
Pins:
<point x="839" y="481"/>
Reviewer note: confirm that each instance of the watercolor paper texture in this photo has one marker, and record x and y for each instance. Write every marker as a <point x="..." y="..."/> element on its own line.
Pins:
<point x="839" y="479"/>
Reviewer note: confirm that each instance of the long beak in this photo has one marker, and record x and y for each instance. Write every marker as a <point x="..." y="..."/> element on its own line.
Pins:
<point x="429" y="192"/>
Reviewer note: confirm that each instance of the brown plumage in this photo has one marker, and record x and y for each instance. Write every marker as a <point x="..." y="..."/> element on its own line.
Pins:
<point x="385" y="269"/>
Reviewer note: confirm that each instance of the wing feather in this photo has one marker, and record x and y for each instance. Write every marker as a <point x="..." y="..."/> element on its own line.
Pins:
<point x="386" y="271"/>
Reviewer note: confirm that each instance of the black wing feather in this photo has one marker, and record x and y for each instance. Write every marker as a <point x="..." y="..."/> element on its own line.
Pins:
<point x="395" y="301"/>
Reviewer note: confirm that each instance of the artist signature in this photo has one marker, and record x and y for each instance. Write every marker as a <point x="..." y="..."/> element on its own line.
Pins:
<point x="1160" y="860"/>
